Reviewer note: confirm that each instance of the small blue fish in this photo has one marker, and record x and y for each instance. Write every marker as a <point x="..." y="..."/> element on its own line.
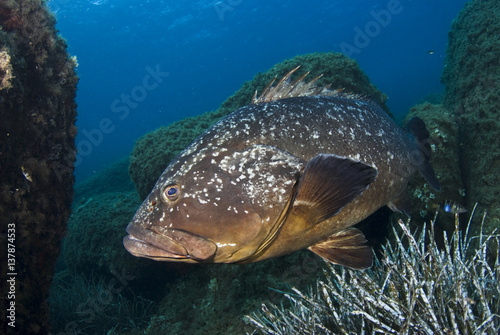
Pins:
<point x="450" y="206"/>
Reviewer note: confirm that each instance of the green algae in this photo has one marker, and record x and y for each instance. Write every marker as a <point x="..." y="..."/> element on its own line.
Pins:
<point x="95" y="232"/>
<point x="472" y="84"/>
<point x="103" y="205"/>
<point x="153" y="151"/>
<point x="83" y="303"/>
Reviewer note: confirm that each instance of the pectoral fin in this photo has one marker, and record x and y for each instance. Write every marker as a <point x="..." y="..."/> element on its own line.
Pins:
<point x="329" y="183"/>
<point x="401" y="204"/>
<point x="347" y="248"/>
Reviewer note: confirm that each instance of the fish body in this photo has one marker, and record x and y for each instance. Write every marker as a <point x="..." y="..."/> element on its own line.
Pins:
<point x="453" y="207"/>
<point x="280" y="175"/>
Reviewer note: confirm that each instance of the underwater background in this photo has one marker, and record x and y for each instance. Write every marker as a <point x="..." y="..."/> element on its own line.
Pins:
<point x="208" y="49"/>
<point x="153" y="75"/>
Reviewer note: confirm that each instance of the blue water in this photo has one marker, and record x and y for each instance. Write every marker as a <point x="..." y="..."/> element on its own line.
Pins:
<point x="144" y="64"/>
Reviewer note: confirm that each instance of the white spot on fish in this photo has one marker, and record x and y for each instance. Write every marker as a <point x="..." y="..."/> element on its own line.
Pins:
<point x="221" y="245"/>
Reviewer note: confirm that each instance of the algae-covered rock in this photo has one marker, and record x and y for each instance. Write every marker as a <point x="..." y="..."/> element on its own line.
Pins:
<point x="445" y="155"/>
<point x="103" y="205"/>
<point x="87" y="303"/>
<point x="472" y="94"/>
<point x="37" y="151"/>
<point x="113" y="178"/>
<point x="472" y="62"/>
<point x="155" y="150"/>
<point x="95" y="232"/>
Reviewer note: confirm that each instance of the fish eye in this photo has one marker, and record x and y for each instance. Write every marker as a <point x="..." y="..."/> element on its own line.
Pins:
<point x="171" y="192"/>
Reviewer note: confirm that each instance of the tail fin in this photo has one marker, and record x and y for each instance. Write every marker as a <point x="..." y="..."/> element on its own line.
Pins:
<point x="416" y="128"/>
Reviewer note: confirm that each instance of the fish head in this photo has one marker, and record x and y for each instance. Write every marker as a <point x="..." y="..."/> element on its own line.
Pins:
<point x="218" y="207"/>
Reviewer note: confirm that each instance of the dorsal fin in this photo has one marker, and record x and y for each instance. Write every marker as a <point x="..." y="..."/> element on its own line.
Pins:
<point x="298" y="88"/>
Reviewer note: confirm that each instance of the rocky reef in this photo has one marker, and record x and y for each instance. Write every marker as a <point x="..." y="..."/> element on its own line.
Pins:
<point x="37" y="113"/>
<point x="155" y="150"/>
<point x="190" y="299"/>
<point x="472" y="84"/>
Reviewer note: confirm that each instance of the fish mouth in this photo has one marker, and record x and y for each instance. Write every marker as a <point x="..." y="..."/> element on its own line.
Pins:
<point x="160" y="243"/>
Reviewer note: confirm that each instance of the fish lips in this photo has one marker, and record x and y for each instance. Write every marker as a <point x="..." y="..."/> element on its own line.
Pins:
<point x="160" y="243"/>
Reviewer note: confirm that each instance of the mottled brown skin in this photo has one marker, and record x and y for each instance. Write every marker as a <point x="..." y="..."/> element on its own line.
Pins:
<point x="237" y="184"/>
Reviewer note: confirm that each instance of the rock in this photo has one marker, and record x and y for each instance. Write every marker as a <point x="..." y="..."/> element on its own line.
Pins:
<point x="472" y="94"/>
<point x="37" y="151"/>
